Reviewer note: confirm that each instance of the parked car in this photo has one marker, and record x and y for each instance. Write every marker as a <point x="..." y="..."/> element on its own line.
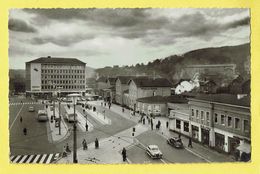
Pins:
<point x="154" y="152"/>
<point x="175" y="142"/>
<point x="31" y="109"/>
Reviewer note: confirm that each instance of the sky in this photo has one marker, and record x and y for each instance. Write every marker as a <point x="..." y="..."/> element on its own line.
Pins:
<point x="107" y="37"/>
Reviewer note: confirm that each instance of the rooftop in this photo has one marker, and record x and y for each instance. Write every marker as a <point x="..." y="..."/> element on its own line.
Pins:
<point x="163" y="99"/>
<point x="112" y="80"/>
<point x="224" y="98"/>
<point x="150" y="82"/>
<point x="124" y="79"/>
<point x="55" y="60"/>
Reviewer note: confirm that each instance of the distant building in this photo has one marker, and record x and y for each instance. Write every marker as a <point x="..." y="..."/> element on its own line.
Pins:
<point x="46" y="76"/>
<point x="121" y="87"/>
<point x="141" y="87"/>
<point x="221" y="121"/>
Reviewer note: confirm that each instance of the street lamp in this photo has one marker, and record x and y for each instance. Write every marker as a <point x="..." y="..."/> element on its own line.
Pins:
<point x="74" y="97"/>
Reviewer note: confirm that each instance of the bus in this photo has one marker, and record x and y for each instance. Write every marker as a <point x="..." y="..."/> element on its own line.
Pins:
<point x="70" y="115"/>
<point x="42" y="115"/>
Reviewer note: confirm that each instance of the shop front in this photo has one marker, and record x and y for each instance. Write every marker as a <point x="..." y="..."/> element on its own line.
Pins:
<point x="195" y="132"/>
<point x="205" y="135"/>
<point x="219" y="142"/>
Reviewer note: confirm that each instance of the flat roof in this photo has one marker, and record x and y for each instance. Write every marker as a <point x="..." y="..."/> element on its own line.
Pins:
<point x="55" y="60"/>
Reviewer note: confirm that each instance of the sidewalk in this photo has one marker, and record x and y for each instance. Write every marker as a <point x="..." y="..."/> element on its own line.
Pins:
<point x="109" y="151"/>
<point x="198" y="149"/>
<point x="54" y="136"/>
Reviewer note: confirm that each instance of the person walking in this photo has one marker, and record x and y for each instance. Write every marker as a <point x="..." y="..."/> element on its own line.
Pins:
<point x="84" y="144"/>
<point x="25" y="131"/>
<point x="167" y="124"/>
<point x="190" y="143"/>
<point x="68" y="148"/>
<point x="86" y="126"/>
<point x="124" y="154"/>
<point x="21" y="119"/>
<point x="96" y="144"/>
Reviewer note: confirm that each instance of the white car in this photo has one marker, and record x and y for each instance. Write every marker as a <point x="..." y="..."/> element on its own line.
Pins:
<point x="153" y="151"/>
<point x="31" y="109"/>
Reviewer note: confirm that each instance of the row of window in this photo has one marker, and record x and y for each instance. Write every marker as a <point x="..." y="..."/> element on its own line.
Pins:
<point x="200" y="115"/>
<point x="231" y="122"/>
<point x="64" y="87"/>
<point x="52" y="82"/>
<point x="62" y="71"/>
<point x="62" y="66"/>
<point x="63" y="76"/>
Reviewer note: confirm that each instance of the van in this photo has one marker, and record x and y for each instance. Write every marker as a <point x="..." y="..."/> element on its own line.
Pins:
<point x="42" y="115"/>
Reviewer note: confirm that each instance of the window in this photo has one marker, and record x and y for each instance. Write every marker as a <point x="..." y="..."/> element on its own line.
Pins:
<point x="237" y="123"/>
<point x="229" y="121"/>
<point x="186" y="126"/>
<point x="197" y="114"/>
<point x="246" y="126"/>
<point x="222" y="119"/>
<point x="207" y="116"/>
<point x="192" y="112"/>
<point x="178" y="124"/>
<point x="202" y="115"/>
<point x="216" y="118"/>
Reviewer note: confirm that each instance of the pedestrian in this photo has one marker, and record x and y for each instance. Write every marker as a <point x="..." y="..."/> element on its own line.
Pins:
<point x="84" y="144"/>
<point x="190" y="143"/>
<point x="24" y="131"/>
<point x="152" y="125"/>
<point x="68" y="148"/>
<point x="167" y="124"/>
<point x="124" y="154"/>
<point x="102" y="104"/>
<point x="123" y="109"/>
<point x="105" y="104"/>
<point x="143" y="120"/>
<point x="21" y="119"/>
<point x="96" y="144"/>
<point x="86" y="126"/>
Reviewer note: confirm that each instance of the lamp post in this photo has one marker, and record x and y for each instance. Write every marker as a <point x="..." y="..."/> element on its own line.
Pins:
<point x="74" y="96"/>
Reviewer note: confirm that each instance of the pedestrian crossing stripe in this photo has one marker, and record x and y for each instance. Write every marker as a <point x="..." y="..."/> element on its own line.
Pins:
<point x="36" y="158"/>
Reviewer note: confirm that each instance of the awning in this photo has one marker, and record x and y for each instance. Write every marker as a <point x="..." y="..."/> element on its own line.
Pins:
<point x="244" y="147"/>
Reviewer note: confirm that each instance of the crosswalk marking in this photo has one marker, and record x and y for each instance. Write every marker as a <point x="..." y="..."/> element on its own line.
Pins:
<point x="35" y="158"/>
<point x="21" y="161"/>
<point x="29" y="159"/>
<point x="49" y="159"/>
<point x="43" y="158"/>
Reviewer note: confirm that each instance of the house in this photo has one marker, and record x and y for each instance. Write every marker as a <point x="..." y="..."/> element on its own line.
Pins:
<point x="157" y="105"/>
<point x="121" y="86"/>
<point x="141" y="87"/>
<point x="111" y="90"/>
<point x="102" y="86"/>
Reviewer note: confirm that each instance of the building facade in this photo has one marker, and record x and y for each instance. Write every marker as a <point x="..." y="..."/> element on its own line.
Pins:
<point x="121" y="86"/>
<point x="146" y="87"/>
<point x="47" y="75"/>
<point x="221" y="121"/>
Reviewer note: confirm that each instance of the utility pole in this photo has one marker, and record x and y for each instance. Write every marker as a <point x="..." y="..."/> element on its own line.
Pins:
<point x="59" y="112"/>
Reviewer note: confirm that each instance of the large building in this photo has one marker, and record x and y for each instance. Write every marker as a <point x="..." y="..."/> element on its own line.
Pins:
<point x="46" y="76"/>
<point x="221" y="121"/>
<point x="121" y="87"/>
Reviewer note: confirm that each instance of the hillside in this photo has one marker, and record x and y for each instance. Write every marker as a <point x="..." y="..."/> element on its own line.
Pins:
<point x="172" y="67"/>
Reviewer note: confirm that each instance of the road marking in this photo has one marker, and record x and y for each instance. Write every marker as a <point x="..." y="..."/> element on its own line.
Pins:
<point x="29" y="159"/>
<point x="35" y="159"/>
<point x="21" y="161"/>
<point x="16" y="159"/>
<point x="43" y="158"/>
<point x="49" y="158"/>
<point x="196" y="154"/>
<point x="15" y="118"/>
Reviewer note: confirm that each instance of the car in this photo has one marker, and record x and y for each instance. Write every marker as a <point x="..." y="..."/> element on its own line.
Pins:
<point x="175" y="142"/>
<point x="31" y="109"/>
<point x="153" y="151"/>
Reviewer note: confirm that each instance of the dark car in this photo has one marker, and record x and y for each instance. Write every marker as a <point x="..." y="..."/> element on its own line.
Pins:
<point x="175" y="142"/>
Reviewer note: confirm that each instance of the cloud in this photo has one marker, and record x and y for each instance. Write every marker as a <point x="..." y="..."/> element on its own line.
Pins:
<point x="20" y="26"/>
